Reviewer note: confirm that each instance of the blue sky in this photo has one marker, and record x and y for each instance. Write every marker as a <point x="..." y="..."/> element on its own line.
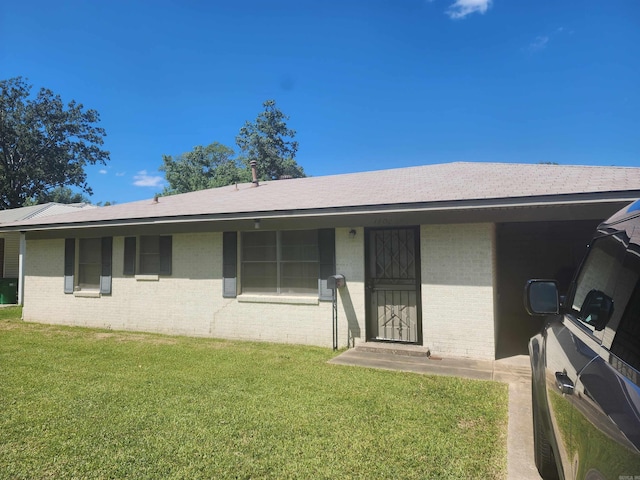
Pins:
<point x="367" y="84"/>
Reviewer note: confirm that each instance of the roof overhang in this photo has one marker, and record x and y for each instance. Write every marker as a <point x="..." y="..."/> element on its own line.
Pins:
<point x="587" y="206"/>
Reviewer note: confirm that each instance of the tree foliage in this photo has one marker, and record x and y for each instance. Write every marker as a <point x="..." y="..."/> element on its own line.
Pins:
<point x="270" y="142"/>
<point x="43" y="143"/>
<point x="58" y="195"/>
<point x="203" y="167"/>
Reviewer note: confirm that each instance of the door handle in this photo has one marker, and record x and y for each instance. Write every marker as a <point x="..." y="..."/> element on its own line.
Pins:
<point x="564" y="383"/>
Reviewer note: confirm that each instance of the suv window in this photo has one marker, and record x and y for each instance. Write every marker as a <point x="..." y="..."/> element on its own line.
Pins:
<point x="595" y="288"/>
<point x="626" y="343"/>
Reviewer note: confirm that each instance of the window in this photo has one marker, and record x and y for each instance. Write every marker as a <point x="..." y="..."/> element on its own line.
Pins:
<point x="153" y="257"/>
<point x="149" y="254"/>
<point x="626" y="343"/>
<point x="90" y="269"/>
<point x="280" y="262"/>
<point x="595" y="287"/>
<point x="89" y="263"/>
<point x="293" y="262"/>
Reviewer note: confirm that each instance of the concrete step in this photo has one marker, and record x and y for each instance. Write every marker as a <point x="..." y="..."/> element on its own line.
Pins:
<point x="407" y="350"/>
<point x="416" y="358"/>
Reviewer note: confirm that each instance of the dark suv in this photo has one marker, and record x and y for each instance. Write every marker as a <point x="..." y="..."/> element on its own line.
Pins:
<point x="586" y="361"/>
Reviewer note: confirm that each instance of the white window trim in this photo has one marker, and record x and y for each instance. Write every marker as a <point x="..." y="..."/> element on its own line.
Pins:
<point x="85" y="293"/>
<point x="275" y="298"/>
<point x="148" y="277"/>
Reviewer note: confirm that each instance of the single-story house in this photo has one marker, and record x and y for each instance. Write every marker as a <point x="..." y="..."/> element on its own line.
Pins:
<point x="433" y="255"/>
<point x="10" y="241"/>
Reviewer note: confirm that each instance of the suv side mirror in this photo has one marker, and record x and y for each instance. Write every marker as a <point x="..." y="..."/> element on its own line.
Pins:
<point x="541" y="297"/>
<point x="596" y="309"/>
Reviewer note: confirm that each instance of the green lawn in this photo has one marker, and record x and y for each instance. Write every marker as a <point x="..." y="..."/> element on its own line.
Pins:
<point x="83" y="403"/>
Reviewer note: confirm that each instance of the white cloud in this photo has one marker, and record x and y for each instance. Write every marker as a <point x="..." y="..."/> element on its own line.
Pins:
<point x="102" y="172"/>
<point x="462" y="8"/>
<point x="143" y="179"/>
<point x="539" y="43"/>
<point x="120" y="174"/>
<point x="543" y="41"/>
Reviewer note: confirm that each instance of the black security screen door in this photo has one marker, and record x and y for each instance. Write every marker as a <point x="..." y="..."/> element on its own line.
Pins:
<point x="393" y="285"/>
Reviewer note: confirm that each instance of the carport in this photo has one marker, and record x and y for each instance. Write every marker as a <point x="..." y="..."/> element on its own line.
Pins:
<point x="541" y="240"/>
<point x="525" y="250"/>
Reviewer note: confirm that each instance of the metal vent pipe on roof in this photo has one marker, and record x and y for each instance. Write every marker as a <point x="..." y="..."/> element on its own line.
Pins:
<point x="254" y="172"/>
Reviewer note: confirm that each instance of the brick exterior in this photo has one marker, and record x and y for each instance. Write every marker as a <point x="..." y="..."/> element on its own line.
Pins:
<point x="351" y="307"/>
<point x="457" y="294"/>
<point x="189" y="302"/>
<point x="181" y="303"/>
<point x="458" y="264"/>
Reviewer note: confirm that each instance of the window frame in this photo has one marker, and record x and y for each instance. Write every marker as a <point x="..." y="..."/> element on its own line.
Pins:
<point x="133" y="256"/>
<point x="281" y="263"/>
<point x="72" y="267"/>
<point x="618" y="259"/>
<point x="89" y="258"/>
<point x="324" y="260"/>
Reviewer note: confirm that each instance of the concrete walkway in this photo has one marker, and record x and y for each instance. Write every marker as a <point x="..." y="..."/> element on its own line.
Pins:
<point x="515" y="371"/>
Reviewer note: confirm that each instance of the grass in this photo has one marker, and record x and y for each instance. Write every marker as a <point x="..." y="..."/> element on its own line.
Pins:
<point x="84" y="403"/>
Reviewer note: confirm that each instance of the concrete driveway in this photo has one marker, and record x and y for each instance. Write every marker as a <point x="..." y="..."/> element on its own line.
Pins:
<point x="514" y="370"/>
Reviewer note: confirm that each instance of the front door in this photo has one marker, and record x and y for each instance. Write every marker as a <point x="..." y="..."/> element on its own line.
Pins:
<point x="393" y="285"/>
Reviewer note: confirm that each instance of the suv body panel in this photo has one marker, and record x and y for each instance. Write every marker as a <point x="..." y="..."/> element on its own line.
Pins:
<point x="585" y="396"/>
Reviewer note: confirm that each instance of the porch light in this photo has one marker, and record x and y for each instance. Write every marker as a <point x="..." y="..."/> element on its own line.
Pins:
<point x="352" y="233"/>
<point x="256" y="223"/>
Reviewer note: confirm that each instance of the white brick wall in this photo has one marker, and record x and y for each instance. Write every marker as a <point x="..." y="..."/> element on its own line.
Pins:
<point x="457" y="294"/>
<point x="188" y="302"/>
<point x="457" y="289"/>
<point x="351" y="306"/>
<point x="303" y="324"/>
<point x="181" y="303"/>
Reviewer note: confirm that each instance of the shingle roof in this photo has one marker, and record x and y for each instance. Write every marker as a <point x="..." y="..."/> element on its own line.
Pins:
<point x="42" y="210"/>
<point x="451" y="182"/>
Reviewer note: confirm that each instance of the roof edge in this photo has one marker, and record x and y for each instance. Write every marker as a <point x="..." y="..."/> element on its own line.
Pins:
<point x="450" y="205"/>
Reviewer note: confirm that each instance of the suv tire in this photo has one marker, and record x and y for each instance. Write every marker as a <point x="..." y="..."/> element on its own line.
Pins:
<point x="543" y="453"/>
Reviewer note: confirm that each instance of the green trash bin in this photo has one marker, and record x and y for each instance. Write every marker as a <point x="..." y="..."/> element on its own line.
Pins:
<point x="8" y="291"/>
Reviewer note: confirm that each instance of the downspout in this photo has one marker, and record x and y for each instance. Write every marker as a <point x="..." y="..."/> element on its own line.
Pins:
<point x="21" y="257"/>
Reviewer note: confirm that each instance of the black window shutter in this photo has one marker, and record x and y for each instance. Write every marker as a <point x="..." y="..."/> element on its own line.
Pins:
<point x="229" y="264"/>
<point x="129" y="256"/>
<point x="165" y="255"/>
<point x="105" y="275"/>
<point x="69" y="263"/>
<point x="327" y="255"/>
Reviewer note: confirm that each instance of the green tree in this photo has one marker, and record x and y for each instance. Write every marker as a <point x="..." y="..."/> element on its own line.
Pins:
<point x="43" y="143"/>
<point x="58" y="195"/>
<point x="203" y="167"/>
<point x="270" y="142"/>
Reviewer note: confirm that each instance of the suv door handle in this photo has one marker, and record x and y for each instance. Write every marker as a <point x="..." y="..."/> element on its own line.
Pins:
<point x="564" y="383"/>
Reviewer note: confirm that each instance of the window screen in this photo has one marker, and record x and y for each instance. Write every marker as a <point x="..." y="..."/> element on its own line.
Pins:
<point x="89" y="263"/>
<point x="280" y="262"/>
